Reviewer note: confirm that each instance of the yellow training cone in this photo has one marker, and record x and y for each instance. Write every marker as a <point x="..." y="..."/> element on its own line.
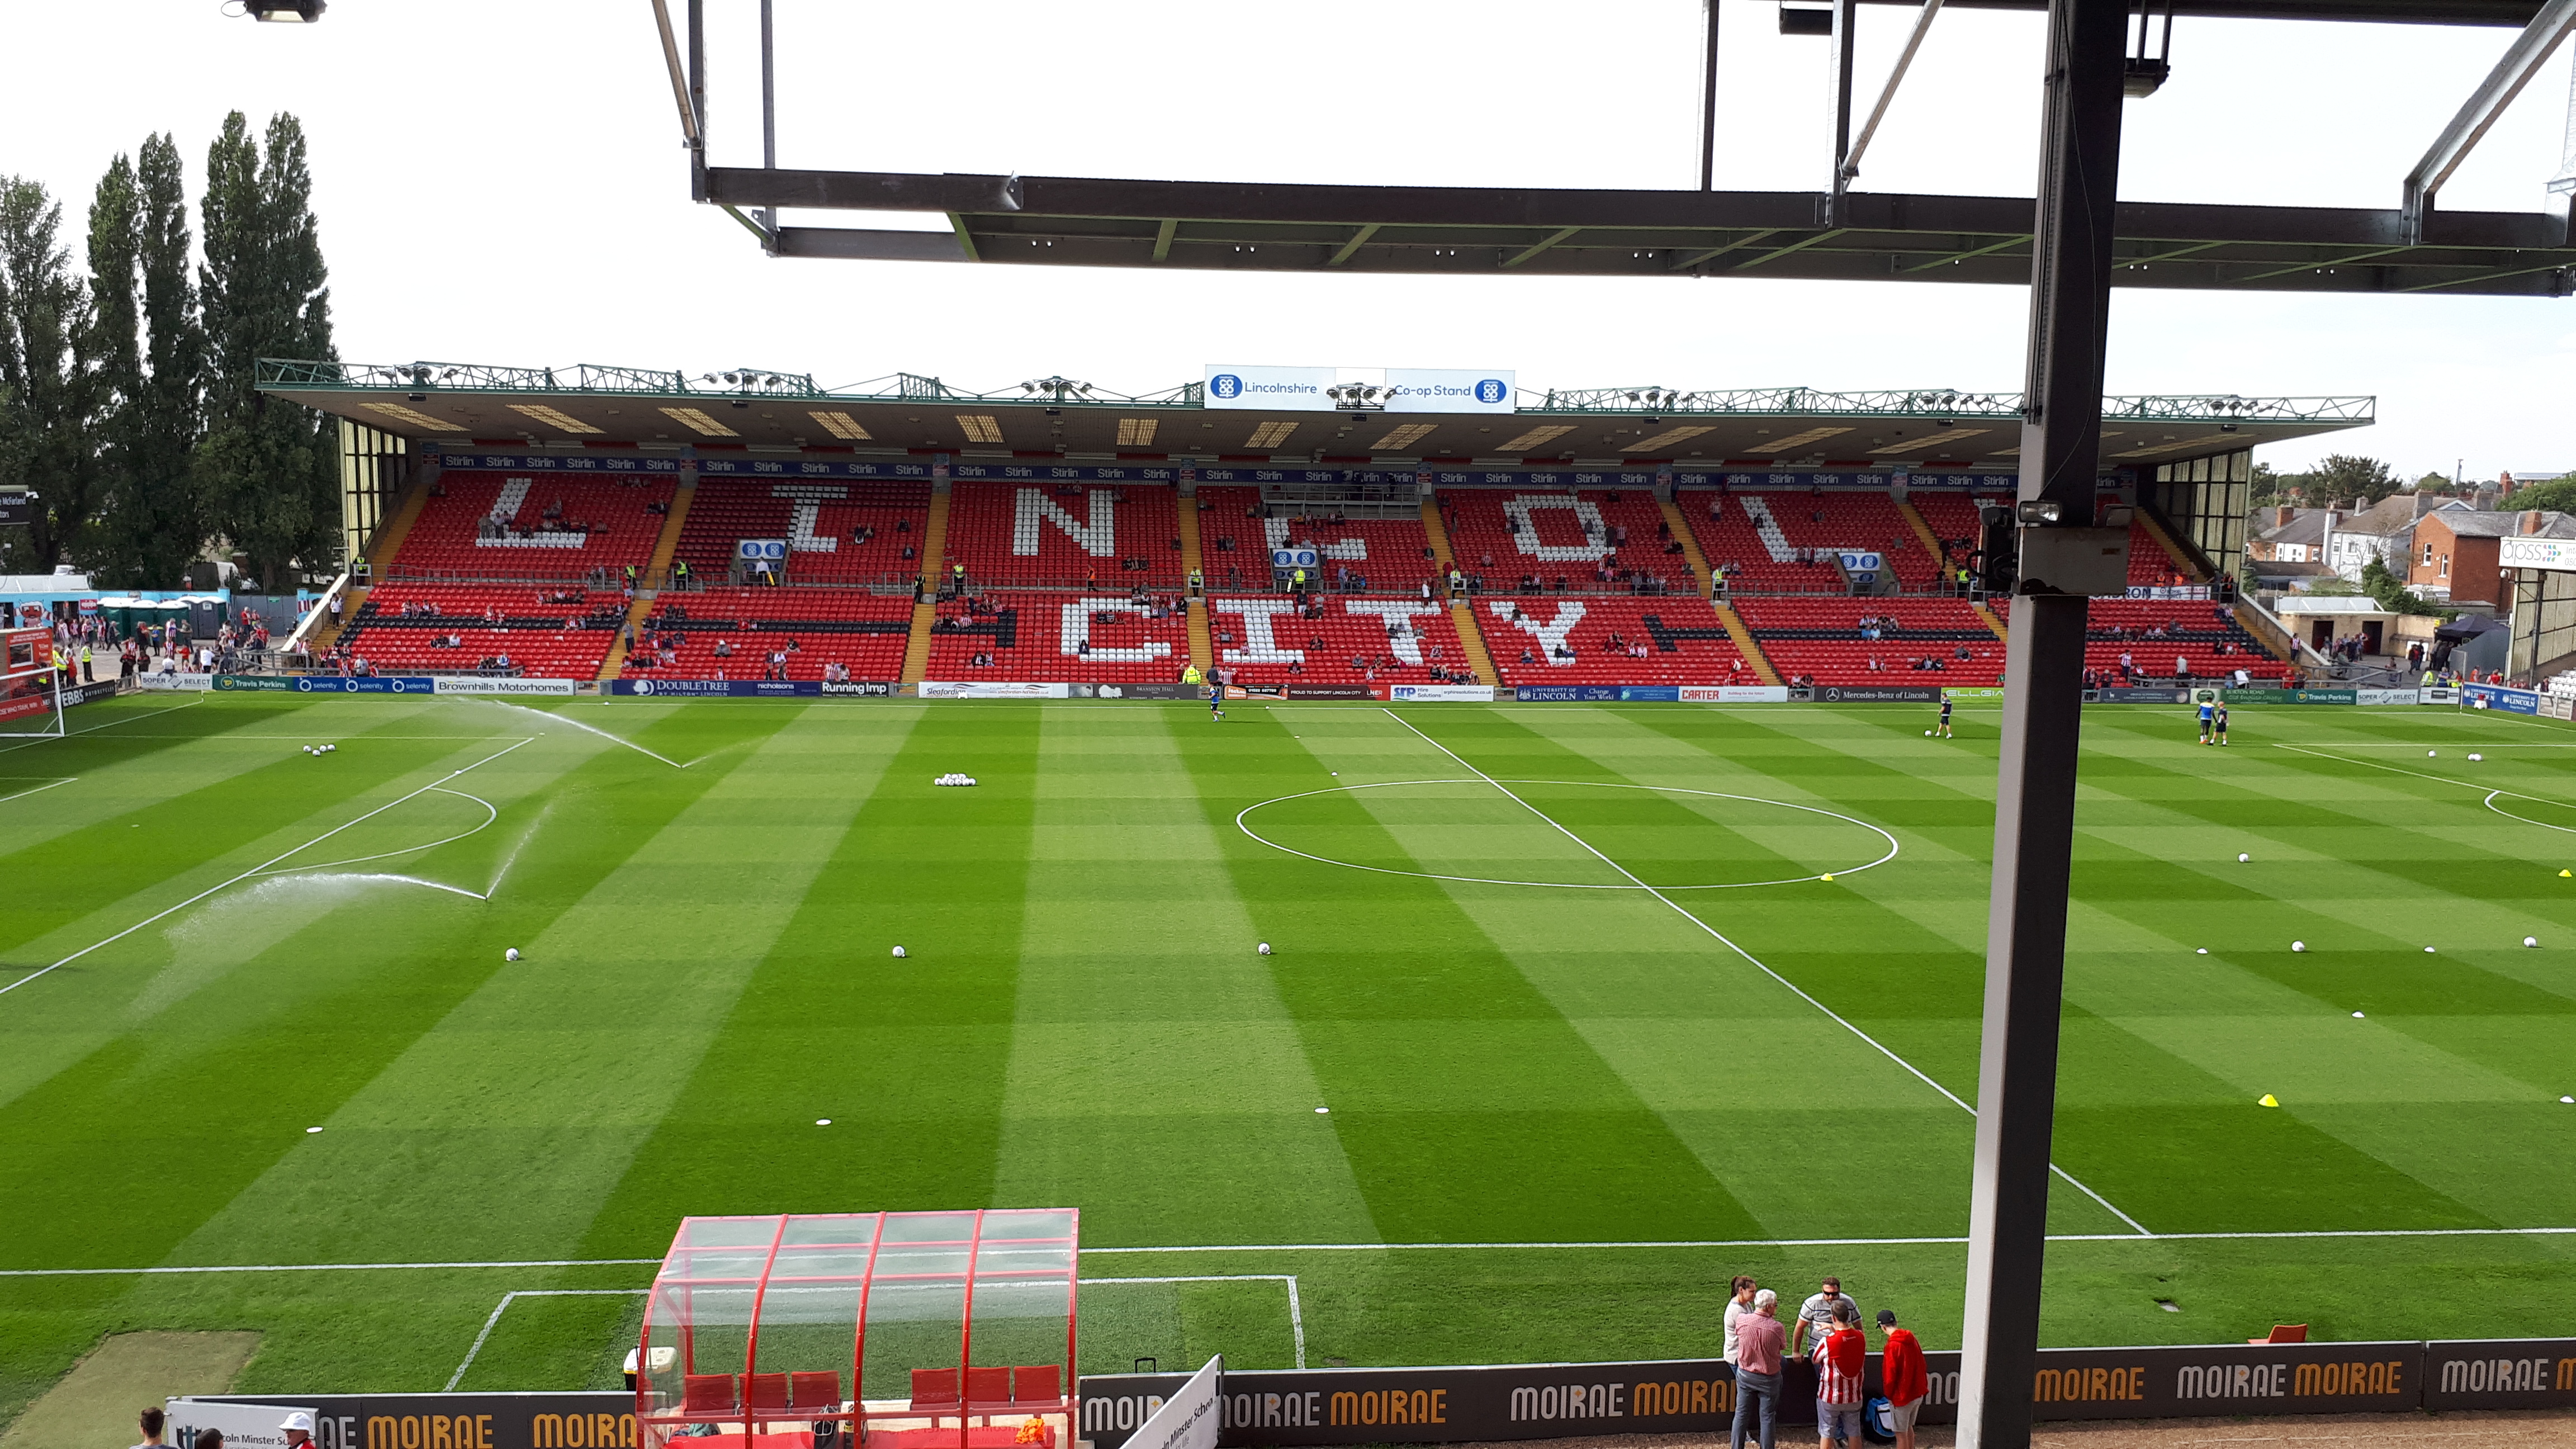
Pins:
<point x="1829" y="877"/>
<point x="2563" y="875"/>
<point x="2269" y="1100"/>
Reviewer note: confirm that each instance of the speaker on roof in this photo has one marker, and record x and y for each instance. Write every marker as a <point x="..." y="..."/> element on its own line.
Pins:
<point x="1998" y="561"/>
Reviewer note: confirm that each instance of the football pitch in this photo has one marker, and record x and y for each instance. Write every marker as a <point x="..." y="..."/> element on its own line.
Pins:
<point x="1563" y="1023"/>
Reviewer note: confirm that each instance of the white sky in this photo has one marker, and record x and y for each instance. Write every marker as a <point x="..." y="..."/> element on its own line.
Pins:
<point x="504" y="183"/>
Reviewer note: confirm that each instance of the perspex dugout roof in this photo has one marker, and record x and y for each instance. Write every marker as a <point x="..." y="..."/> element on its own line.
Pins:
<point x="792" y="1321"/>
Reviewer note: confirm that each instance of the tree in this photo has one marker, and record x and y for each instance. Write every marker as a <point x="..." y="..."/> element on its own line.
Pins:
<point x="2342" y="476"/>
<point x="152" y="523"/>
<point x="2390" y="592"/>
<point x="2433" y="483"/>
<point x="267" y="467"/>
<point x="2557" y="493"/>
<point x="47" y="394"/>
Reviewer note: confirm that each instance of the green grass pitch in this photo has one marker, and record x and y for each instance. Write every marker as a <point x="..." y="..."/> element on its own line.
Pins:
<point x="1592" y="1031"/>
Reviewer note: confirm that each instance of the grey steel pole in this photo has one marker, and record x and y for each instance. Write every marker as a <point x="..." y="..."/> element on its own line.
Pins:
<point x="1708" y="101"/>
<point x="768" y="112"/>
<point x="698" y="96"/>
<point x="2035" y="787"/>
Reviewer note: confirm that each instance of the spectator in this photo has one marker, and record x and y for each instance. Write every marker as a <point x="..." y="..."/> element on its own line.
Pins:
<point x="1840" y="1360"/>
<point x="1737" y="1307"/>
<point x="1816" y="1316"/>
<point x="209" y="1439"/>
<point x="1758" y="1337"/>
<point x="150" y="1422"/>
<point x="1901" y="1378"/>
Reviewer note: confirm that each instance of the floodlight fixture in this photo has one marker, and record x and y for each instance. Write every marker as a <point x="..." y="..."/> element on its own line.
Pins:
<point x="290" y="12"/>
<point x="2040" y="511"/>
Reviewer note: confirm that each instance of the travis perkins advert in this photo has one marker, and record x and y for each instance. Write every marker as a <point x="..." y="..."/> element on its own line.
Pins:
<point x="1547" y="1401"/>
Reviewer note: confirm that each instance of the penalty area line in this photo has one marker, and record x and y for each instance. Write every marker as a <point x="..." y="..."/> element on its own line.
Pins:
<point x="1723" y="939"/>
<point x="40" y="789"/>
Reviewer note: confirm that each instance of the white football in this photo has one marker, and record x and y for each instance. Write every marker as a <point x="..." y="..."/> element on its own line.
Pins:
<point x="1265" y="948"/>
<point x="510" y="955"/>
<point x="2204" y="951"/>
<point x="2476" y="756"/>
<point x="2428" y="950"/>
<point x="1927" y="734"/>
<point x="2242" y="857"/>
<point x="970" y="779"/>
<point x="2428" y="754"/>
<point x="2531" y="940"/>
<point x="898" y="953"/>
<point x="2298" y="945"/>
<point x="2356" y="1016"/>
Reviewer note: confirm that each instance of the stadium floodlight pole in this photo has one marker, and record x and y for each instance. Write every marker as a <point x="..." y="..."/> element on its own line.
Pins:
<point x="768" y="119"/>
<point x="1708" y="100"/>
<point x="2070" y="304"/>
<point x="1846" y="15"/>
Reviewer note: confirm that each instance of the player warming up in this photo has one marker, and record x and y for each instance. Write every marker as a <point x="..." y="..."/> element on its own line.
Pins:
<point x="2218" y="722"/>
<point x="1944" y="730"/>
<point x="1216" y="701"/>
<point x="2208" y="721"/>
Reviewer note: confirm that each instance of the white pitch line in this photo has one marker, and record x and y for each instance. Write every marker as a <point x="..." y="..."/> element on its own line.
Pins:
<point x="490" y="814"/>
<point x="40" y="789"/>
<point x="109" y="725"/>
<point x="494" y="1321"/>
<point x="253" y="871"/>
<point x="2436" y="779"/>
<point x="1757" y="964"/>
<point x="1296" y="1314"/>
<point x="594" y="729"/>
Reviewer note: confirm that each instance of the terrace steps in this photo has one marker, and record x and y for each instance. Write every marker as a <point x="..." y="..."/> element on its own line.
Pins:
<point x="1922" y="527"/>
<point x="1202" y="639"/>
<point x="326" y="633"/>
<point x="1437" y="531"/>
<point x="1471" y="636"/>
<point x="2182" y="563"/>
<point x="925" y="605"/>
<point x="1690" y="545"/>
<point x="1991" y="621"/>
<point x="1743" y="638"/>
<point x="636" y="612"/>
<point x="389" y="535"/>
<point x="668" y="546"/>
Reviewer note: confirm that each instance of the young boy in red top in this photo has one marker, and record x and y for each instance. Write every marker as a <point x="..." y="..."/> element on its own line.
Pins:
<point x="1901" y="1378"/>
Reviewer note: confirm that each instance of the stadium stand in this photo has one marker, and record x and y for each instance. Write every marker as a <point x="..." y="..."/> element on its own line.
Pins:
<point x="731" y="634"/>
<point x="1784" y="541"/>
<point x="1098" y="538"/>
<point x="1595" y="541"/>
<point x="1360" y="555"/>
<point x="1829" y="640"/>
<point x="534" y="525"/>
<point x="1953" y="517"/>
<point x="1336" y="640"/>
<point x="1609" y="640"/>
<point x="837" y="530"/>
<point x="548" y="633"/>
<point x="1094" y="638"/>
<point x="2155" y="632"/>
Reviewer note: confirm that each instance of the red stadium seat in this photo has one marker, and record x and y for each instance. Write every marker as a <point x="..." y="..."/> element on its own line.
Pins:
<point x="1373" y="555"/>
<point x="813" y="627"/>
<point x="1095" y="537"/>
<point x="564" y="525"/>
<point x="1089" y="638"/>
<point x="1348" y="640"/>
<point x="1820" y="638"/>
<point x="934" y="1390"/>
<point x="1609" y="639"/>
<point x="1036" y="1384"/>
<point x="1757" y="536"/>
<point x="707" y="1393"/>
<point x="543" y="638"/>
<point x="1552" y="534"/>
<point x="814" y="1389"/>
<point x="833" y="514"/>
<point x="767" y="1391"/>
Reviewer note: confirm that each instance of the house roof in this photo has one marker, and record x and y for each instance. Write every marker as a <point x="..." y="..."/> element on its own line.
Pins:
<point x="2309" y="527"/>
<point x="2398" y="513"/>
<point x="2507" y="523"/>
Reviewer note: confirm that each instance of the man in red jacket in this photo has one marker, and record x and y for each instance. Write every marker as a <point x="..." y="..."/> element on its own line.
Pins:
<point x="1901" y="1378"/>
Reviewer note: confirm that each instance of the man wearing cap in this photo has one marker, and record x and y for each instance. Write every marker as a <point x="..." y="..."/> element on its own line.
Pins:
<point x="1901" y="1377"/>
<point x="298" y="1427"/>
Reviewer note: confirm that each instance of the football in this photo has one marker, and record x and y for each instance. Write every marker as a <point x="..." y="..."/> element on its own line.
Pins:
<point x="510" y="955"/>
<point x="1265" y="948"/>
<point x="898" y="953"/>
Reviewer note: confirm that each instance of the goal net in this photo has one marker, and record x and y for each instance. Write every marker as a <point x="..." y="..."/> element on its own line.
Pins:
<point x="31" y="706"/>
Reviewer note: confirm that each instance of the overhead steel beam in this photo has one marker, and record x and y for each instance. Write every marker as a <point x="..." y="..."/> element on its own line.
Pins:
<point x="1358" y="239"/>
<point x="2485" y="105"/>
<point x="1163" y="235"/>
<point x="1846" y="36"/>
<point x="2402" y="12"/>
<point x="1887" y="93"/>
<point x="1559" y="235"/>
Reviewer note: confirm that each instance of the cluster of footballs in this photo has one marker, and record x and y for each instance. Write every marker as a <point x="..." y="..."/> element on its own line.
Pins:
<point x="319" y="749"/>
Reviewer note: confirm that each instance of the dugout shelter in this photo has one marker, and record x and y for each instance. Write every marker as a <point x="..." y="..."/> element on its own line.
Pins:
<point x="899" y="1330"/>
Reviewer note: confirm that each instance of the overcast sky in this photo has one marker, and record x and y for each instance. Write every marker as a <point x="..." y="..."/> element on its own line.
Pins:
<point x="504" y="183"/>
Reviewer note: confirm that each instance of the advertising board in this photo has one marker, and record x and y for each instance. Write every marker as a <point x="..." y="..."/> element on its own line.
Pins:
<point x="1396" y="389"/>
<point x="327" y="683"/>
<point x="1150" y="690"/>
<point x="1330" y="691"/>
<point x="1566" y="693"/>
<point x="2437" y="694"/>
<point x="1441" y="693"/>
<point x="2536" y="553"/>
<point x="2386" y="696"/>
<point x="481" y="684"/>
<point x="1650" y="693"/>
<point x="2496" y="696"/>
<point x="1735" y="694"/>
<point x="1877" y="694"/>
<point x="2500" y="1373"/>
<point x="414" y="1421"/>
<point x="174" y="681"/>
<point x="993" y="689"/>
<point x="860" y="688"/>
<point x="716" y="688"/>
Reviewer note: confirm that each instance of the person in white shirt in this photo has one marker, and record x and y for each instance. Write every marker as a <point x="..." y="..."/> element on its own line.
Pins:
<point x="1737" y="1307"/>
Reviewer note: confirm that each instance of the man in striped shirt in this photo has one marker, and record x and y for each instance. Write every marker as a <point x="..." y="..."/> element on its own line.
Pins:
<point x="1840" y="1361"/>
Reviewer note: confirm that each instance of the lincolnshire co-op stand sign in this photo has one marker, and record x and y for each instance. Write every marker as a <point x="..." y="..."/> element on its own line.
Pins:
<point x="1383" y="389"/>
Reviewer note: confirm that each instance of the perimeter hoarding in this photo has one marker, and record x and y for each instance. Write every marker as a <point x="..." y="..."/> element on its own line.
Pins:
<point x="494" y="684"/>
<point x="993" y="689"/>
<point x="327" y="683"/>
<point x="1877" y="694"/>
<point x="715" y="688"/>
<point x="2500" y="1373"/>
<point x="1441" y="693"/>
<point x="2496" y="696"/>
<point x="420" y="1421"/>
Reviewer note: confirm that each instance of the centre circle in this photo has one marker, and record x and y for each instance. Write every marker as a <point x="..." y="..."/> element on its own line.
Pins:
<point x="1625" y="843"/>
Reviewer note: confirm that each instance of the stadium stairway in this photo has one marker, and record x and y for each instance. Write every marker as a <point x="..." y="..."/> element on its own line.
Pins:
<point x="388" y="540"/>
<point x="1922" y="529"/>
<point x="1437" y="531"/>
<point x="1202" y="641"/>
<point x="664" y="549"/>
<point x="1471" y="635"/>
<point x="1743" y="638"/>
<point x="925" y="598"/>
<point x="2183" y="563"/>
<point x="1690" y="544"/>
<point x="1991" y="621"/>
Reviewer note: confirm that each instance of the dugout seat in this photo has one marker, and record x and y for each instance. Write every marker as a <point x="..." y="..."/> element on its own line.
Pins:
<point x="934" y="1392"/>
<point x="1035" y="1384"/>
<point x="768" y="1392"/>
<point x="2284" y="1333"/>
<point x="707" y="1394"/>
<point x="819" y="1389"/>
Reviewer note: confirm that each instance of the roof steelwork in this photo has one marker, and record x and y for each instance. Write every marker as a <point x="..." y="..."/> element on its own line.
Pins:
<point x="1058" y="417"/>
<point x="1830" y="234"/>
<point x="1469" y="231"/>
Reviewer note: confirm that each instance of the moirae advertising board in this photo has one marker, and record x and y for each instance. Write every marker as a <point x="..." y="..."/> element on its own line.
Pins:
<point x="421" y="1421"/>
<point x="2501" y="1373"/>
<point x="1545" y="1401"/>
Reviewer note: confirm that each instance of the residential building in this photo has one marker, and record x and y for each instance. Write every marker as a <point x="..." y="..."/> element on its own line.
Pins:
<point x="2384" y="531"/>
<point x="2454" y="553"/>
